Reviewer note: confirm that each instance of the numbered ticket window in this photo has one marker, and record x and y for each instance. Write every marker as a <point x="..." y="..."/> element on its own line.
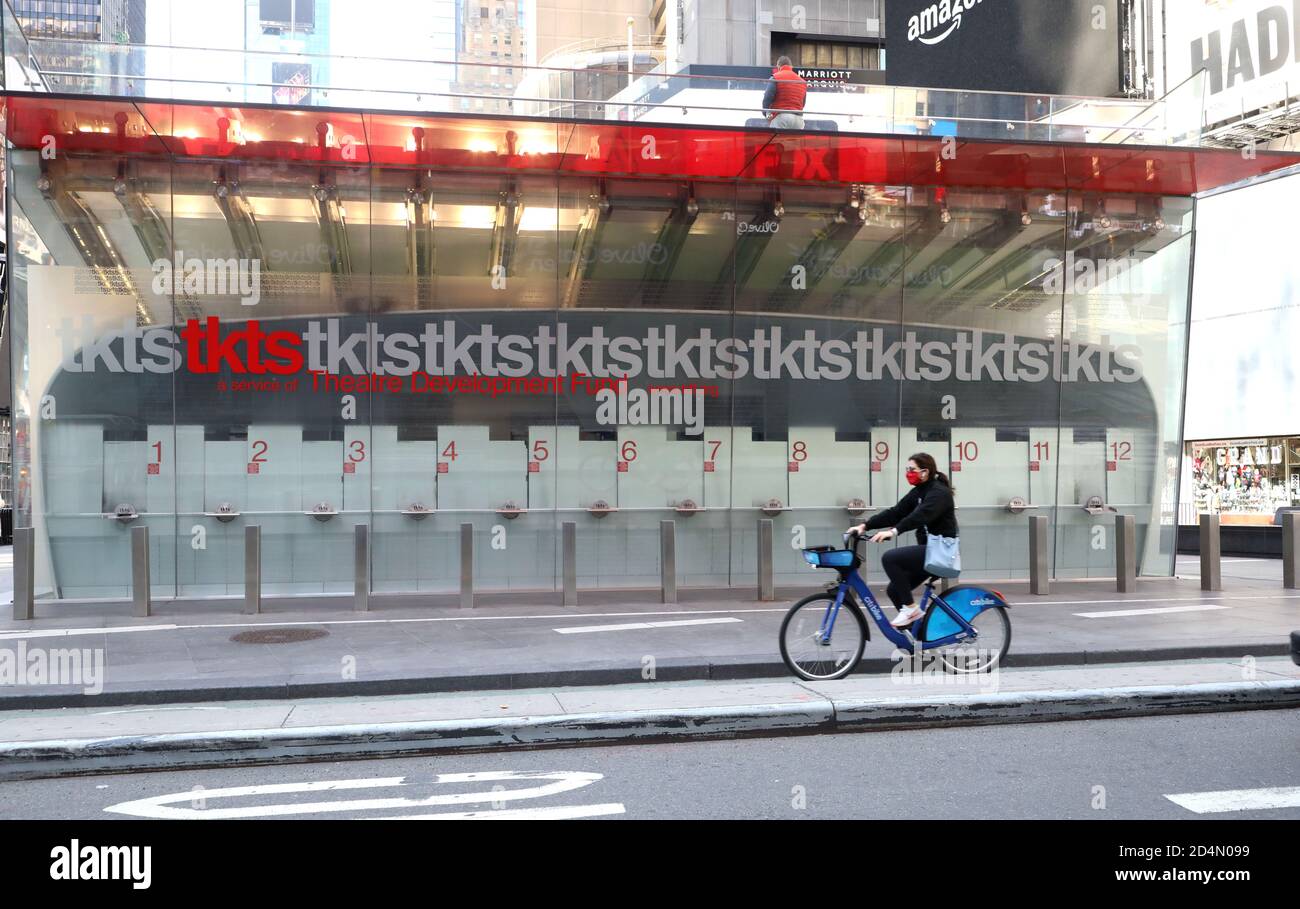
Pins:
<point x="1124" y="283"/>
<point x="975" y="348"/>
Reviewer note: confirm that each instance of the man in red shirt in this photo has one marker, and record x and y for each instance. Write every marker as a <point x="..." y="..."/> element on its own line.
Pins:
<point x="784" y="99"/>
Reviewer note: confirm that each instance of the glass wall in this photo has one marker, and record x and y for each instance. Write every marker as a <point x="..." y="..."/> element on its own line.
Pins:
<point x="205" y="343"/>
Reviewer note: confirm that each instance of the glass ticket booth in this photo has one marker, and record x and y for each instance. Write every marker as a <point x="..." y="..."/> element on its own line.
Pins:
<point x="211" y="334"/>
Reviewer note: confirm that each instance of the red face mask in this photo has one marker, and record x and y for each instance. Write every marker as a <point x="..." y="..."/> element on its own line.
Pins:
<point x="913" y="477"/>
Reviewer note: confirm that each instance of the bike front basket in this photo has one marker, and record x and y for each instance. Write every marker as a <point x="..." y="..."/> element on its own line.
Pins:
<point x="830" y="557"/>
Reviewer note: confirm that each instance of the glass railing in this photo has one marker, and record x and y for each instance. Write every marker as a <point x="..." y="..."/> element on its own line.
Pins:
<point x="432" y="86"/>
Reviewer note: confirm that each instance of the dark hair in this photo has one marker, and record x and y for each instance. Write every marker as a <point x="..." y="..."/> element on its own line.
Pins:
<point x="783" y="60"/>
<point x="926" y="462"/>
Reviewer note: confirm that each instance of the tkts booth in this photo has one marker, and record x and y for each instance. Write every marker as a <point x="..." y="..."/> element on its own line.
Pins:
<point x="312" y="319"/>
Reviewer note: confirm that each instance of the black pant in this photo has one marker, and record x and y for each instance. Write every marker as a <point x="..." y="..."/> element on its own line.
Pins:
<point x="905" y="566"/>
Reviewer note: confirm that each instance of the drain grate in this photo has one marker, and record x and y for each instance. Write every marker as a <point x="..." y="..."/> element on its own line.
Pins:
<point x="279" y="635"/>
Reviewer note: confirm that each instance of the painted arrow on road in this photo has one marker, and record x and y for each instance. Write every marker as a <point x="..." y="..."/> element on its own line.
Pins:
<point x="170" y="806"/>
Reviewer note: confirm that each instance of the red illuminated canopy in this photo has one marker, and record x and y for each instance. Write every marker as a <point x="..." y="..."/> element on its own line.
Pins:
<point x="608" y="148"/>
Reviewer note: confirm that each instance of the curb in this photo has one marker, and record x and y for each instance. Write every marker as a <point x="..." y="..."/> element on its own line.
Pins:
<point x="740" y="668"/>
<point x="74" y="757"/>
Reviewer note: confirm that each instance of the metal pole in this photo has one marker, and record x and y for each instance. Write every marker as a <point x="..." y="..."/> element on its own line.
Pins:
<point x="569" y="543"/>
<point x="361" y="570"/>
<point x="1040" y="583"/>
<point x="252" y="569"/>
<point x="466" y="566"/>
<point x="1125" y="553"/>
<point x="140" y="571"/>
<point x="1291" y="550"/>
<point x="24" y="573"/>
<point x="766" y="587"/>
<point x="668" y="561"/>
<point x="1211" y="553"/>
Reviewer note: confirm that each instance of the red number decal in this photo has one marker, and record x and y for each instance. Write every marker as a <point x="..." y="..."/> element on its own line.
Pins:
<point x="713" y="455"/>
<point x="1042" y="451"/>
<point x="540" y="451"/>
<point x="259" y="457"/>
<point x="157" y="447"/>
<point x="358" y="452"/>
<point x="968" y="451"/>
<point x="450" y="451"/>
<point x="628" y="451"/>
<point x="800" y="451"/>
<point x="882" y="451"/>
<point x="1122" y="451"/>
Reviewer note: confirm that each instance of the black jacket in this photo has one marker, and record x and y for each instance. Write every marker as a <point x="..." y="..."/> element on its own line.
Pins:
<point x="929" y="505"/>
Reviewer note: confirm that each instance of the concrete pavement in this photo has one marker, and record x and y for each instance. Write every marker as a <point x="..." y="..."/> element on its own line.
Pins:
<point x="206" y="653"/>
<point x="93" y="740"/>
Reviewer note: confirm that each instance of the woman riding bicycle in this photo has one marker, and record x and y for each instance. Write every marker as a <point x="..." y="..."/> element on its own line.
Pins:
<point x="928" y="506"/>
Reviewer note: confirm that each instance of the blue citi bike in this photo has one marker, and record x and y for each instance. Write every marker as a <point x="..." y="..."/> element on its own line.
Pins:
<point x="823" y="635"/>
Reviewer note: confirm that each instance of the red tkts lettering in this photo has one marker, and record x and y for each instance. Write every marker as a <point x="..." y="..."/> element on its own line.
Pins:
<point x="240" y="351"/>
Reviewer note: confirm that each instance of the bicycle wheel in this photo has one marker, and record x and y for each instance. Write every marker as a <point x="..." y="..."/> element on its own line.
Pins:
<point x="802" y="648"/>
<point x="986" y="651"/>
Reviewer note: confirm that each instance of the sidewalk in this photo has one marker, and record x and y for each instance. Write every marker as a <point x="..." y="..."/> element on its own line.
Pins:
<point x="201" y="654"/>
<point x="37" y="744"/>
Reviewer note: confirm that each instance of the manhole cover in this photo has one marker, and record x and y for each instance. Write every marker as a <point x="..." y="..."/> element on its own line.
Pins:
<point x="279" y="635"/>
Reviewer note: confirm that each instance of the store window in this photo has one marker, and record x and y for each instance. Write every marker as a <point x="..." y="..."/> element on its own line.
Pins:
<point x="1244" y="480"/>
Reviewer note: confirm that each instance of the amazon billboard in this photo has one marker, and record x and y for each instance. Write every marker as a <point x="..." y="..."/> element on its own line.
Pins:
<point x="1063" y="47"/>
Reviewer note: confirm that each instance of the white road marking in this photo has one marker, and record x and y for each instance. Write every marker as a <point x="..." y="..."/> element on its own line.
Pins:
<point x="562" y="813"/>
<point x="1158" y="611"/>
<point x="166" y="807"/>
<point x="586" y="629"/>
<point x="70" y="632"/>
<point x="156" y="709"/>
<point x="1238" y="800"/>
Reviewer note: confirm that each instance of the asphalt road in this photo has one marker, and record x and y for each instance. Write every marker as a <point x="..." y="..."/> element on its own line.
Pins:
<point x="1107" y="769"/>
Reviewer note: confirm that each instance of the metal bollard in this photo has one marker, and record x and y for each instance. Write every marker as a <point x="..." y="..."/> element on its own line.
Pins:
<point x="569" y="544"/>
<point x="668" y="561"/>
<point x="252" y="569"/>
<point x="1125" y="553"/>
<point x="1211" y="553"/>
<point x="140" y="571"/>
<point x="1040" y="583"/>
<point x="766" y="586"/>
<point x="24" y="573"/>
<point x="466" y="566"/>
<point x="1291" y="550"/>
<point x="361" y="570"/>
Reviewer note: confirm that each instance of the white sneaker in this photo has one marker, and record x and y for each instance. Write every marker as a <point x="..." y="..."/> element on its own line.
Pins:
<point x="907" y="616"/>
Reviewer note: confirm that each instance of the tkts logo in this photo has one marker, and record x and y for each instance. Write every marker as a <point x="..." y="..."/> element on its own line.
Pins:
<point x="942" y="18"/>
<point x="450" y="347"/>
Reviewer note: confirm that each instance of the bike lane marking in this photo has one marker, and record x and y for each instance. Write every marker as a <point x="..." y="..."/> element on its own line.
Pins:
<point x="10" y="634"/>
<point x="1204" y="607"/>
<point x="169" y="806"/>
<point x="587" y="629"/>
<point x="1238" y="799"/>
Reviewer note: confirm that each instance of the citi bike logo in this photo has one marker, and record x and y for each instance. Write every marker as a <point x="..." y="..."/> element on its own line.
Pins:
<point x="936" y="16"/>
<point x="180" y="275"/>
